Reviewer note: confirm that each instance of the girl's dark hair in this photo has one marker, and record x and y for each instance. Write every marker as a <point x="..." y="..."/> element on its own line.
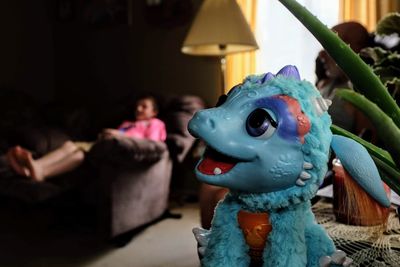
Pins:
<point x="152" y="99"/>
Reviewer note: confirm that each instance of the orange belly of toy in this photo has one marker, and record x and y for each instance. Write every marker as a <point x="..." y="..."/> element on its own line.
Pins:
<point x="255" y="228"/>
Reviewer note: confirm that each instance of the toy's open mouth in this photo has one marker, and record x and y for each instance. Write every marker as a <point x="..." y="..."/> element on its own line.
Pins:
<point x="215" y="163"/>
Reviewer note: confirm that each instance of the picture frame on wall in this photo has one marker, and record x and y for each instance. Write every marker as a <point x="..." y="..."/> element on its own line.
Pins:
<point x="168" y="13"/>
<point x="102" y="13"/>
<point x="65" y="10"/>
<point x="94" y="13"/>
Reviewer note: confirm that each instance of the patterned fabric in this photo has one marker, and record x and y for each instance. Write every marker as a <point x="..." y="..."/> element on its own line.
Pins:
<point x="366" y="245"/>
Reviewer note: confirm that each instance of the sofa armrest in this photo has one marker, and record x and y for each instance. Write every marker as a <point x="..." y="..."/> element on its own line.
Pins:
<point x="179" y="146"/>
<point x="180" y="112"/>
<point x="126" y="151"/>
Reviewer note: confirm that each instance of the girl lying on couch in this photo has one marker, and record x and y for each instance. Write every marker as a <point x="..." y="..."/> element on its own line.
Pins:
<point x="72" y="154"/>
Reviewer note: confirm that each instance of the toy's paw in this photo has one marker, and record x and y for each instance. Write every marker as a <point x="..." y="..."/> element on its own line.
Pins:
<point x="336" y="259"/>
<point x="202" y="236"/>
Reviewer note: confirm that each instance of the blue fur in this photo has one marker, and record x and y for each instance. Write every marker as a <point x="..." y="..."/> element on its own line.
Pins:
<point x="264" y="180"/>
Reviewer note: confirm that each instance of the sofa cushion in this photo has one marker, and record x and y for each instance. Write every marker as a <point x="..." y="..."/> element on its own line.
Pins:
<point x="126" y="151"/>
<point x="40" y="140"/>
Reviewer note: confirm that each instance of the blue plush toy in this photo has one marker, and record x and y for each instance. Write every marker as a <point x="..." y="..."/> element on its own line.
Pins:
<point x="269" y="143"/>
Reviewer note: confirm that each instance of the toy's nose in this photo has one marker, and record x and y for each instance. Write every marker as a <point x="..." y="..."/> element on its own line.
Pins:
<point x="201" y="122"/>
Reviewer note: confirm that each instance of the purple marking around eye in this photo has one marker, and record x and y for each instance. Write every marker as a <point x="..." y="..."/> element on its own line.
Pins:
<point x="287" y="124"/>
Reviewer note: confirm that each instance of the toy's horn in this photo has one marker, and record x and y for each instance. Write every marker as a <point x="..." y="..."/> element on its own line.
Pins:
<point x="321" y="105"/>
<point x="268" y="76"/>
<point x="290" y="71"/>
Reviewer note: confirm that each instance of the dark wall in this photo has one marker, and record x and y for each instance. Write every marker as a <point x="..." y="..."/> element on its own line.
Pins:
<point x="26" y="48"/>
<point x="67" y="59"/>
<point x="160" y="64"/>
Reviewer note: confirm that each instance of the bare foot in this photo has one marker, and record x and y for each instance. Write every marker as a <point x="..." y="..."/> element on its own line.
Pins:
<point x="25" y="162"/>
<point x="35" y="170"/>
<point x="15" y="163"/>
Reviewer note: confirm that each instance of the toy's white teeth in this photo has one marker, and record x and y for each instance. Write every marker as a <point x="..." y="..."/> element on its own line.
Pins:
<point x="215" y="163"/>
<point x="217" y="171"/>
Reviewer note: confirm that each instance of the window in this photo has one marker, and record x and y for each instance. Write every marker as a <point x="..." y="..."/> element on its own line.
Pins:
<point x="283" y="40"/>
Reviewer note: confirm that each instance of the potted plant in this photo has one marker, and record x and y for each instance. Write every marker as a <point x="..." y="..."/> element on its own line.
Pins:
<point x="371" y="96"/>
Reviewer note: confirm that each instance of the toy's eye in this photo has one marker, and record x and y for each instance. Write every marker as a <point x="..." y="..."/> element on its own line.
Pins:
<point x="260" y="123"/>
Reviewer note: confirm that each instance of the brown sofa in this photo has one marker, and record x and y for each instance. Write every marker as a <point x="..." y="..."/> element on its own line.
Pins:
<point x="125" y="181"/>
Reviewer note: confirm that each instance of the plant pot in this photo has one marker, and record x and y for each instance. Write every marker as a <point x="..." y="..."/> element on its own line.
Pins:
<point x="351" y="204"/>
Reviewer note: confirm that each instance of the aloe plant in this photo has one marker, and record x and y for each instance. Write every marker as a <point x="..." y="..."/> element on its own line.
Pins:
<point x="361" y="75"/>
<point x="389" y="133"/>
<point x="377" y="104"/>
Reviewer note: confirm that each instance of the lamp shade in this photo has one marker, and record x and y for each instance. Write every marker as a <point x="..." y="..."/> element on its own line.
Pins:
<point x="219" y="29"/>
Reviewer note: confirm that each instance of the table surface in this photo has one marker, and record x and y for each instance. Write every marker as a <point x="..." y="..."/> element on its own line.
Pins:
<point x="366" y="245"/>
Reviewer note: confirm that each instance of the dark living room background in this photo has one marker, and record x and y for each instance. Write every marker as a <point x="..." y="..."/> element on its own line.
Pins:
<point x="87" y="60"/>
<point x="60" y="57"/>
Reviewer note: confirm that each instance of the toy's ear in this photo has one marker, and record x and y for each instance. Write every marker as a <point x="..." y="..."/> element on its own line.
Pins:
<point x="357" y="161"/>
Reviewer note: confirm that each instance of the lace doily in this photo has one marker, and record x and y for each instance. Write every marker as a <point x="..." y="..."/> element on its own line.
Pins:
<point x="366" y="245"/>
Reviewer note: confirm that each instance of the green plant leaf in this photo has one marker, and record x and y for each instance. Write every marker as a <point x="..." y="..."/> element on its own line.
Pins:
<point x="360" y="74"/>
<point x="389" y="24"/>
<point x="385" y="64"/>
<point x="387" y="74"/>
<point x="387" y="131"/>
<point x="380" y="57"/>
<point x="395" y="82"/>
<point x="390" y="175"/>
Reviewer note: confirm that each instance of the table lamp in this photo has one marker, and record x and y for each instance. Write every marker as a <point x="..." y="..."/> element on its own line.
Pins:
<point x="219" y="29"/>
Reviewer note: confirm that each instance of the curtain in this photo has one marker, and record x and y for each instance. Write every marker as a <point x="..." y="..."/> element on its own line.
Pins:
<point x="367" y="12"/>
<point x="240" y="65"/>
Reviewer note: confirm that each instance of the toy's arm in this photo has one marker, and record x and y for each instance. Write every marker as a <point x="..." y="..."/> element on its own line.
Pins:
<point x="321" y="250"/>
<point x="202" y="237"/>
<point x="225" y="231"/>
<point x="286" y="245"/>
<point x="319" y="244"/>
<point x="356" y="160"/>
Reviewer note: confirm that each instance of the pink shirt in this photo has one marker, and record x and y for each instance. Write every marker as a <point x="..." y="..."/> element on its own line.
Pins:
<point x="153" y="129"/>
